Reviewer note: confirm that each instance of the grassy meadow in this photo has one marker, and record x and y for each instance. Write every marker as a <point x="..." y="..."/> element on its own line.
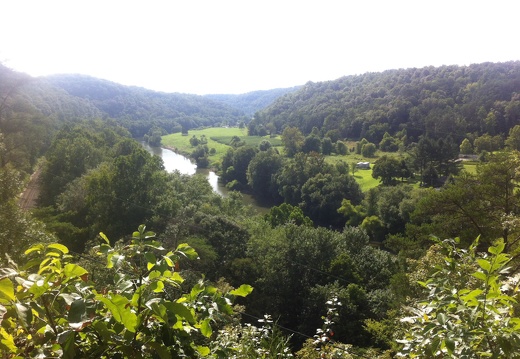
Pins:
<point x="220" y="137"/>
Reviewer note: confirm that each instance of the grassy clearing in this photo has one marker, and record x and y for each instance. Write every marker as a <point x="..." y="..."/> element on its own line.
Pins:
<point x="470" y="166"/>
<point x="252" y="141"/>
<point x="363" y="176"/>
<point x="181" y="144"/>
<point x="220" y="137"/>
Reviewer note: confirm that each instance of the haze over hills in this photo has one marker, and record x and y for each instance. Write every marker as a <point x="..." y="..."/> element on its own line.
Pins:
<point x="254" y="101"/>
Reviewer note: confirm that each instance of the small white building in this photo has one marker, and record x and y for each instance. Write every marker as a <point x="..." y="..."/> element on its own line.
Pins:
<point x="363" y="165"/>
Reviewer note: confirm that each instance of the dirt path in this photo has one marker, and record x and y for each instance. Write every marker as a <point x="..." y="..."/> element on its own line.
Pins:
<point x="30" y="194"/>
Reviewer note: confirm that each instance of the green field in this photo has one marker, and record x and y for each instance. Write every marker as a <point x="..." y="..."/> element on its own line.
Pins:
<point x="220" y="137"/>
<point x="217" y="137"/>
<point x="363" y="176"/>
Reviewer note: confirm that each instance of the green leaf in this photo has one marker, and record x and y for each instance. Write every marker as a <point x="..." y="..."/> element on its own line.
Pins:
<point x="157" y="287"/>
<point x="114" y="259"/>
<point x="160" y="349"/>
<point x="6" y="290"/>
<point x="435" y="344"/>
<point x="479" y="275"/>
<point x="101" y="328"/>
<point x="450" y="345"/>
<point x="66" y="339"/>
<point x="24" y="314"/>
<point x="118" y="307"/>
<point x="484" y="264"/>
<point x="243" y="291"/>
<point x="180" y="311"/>
<point x="196" y="290"/>
<point x="35" y="248"/>
<point x="168" y="261"/>
<point x="59" y="247"/>
<point x="150" y="259"/>
<point x="203" y="351"/>
<point x="7" y="342"/>
<point x="188" y="251"/>
<point x="104" y="237"/>
<point x="205" y="328"/>
<point x="159" y="310"/>
<point x="423" y="284"/>
<point x="499" y="248"/>
<point x="74" y="270"/>
<point x="77" y="311"/>
<point x="176" y="277"/>
<point x="441" y="318"/>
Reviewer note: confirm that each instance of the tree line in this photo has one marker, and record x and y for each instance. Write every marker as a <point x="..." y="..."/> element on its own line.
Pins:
<point x="430" y="101"/>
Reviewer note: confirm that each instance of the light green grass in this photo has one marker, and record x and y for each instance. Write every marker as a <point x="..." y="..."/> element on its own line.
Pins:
<point x="253" y="141"/>
<point x="181" y="144"/>
<point x="218" y="138"/>
<point x="363" y="176"/>
<point x="470" y="166"/>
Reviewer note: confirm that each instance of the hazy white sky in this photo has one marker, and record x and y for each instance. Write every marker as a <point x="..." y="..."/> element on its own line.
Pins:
<point x="237" y="46"/>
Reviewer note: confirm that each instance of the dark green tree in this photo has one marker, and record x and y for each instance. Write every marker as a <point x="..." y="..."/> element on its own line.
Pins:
<point x="261" y="174"/>
<point x="285" y="213"/>
<point x="264" y="145"/>
<point x="465" y="147"/>
<point x="327" y="146"/>
<point x="341" y="148"/>
<point x="388" y="143"/>
<point x="312" y="143"/>
<point x="368" y="150"/>
<point x="387" y="169"/>
<point x="292" y="139"/>
<point x="322" y="196"/>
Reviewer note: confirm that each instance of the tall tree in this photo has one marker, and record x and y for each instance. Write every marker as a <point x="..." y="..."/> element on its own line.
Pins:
<point x="292" y="139"/>
<point x="513" y="140"/>
<point x="485" y="204"/>
<point x="387" y="169"/>
<point x="261" y="174"/>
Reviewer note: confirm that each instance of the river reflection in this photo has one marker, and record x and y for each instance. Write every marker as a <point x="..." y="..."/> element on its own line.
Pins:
<point x="176" y="162"/>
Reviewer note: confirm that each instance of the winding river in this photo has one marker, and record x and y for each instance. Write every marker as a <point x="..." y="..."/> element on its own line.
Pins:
<point x="174" y="161"/>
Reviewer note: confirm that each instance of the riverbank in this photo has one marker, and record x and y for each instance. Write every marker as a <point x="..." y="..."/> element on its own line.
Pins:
<point x="174" y="161"/>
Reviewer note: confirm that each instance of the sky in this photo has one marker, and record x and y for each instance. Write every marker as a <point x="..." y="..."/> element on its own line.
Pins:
<point x="238" y="46"/>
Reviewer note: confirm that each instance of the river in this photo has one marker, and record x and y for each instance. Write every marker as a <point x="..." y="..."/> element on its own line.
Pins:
<point x="174" y="161"/>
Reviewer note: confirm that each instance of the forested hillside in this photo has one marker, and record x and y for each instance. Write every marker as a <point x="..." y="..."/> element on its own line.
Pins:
<point x="139" y="109"/>
<point x="251" y="102"/>
<point x="432" y="101"/>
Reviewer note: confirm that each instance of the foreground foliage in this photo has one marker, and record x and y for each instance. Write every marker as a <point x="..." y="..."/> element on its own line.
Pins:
<point x="49" y="307"/>
<point x="469" y="311"/>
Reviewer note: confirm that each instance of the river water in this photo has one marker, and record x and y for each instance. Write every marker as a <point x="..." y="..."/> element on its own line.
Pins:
<point x="174" y="161"/>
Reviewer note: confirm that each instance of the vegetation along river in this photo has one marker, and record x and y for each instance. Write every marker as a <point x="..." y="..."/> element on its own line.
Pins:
<point x="174" y="161"/>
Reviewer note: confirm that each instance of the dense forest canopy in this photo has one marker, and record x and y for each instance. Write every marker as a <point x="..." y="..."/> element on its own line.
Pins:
<point x="341" y="271"/>
<point x="139" y="109"/>
<point x="432" y="101"/>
